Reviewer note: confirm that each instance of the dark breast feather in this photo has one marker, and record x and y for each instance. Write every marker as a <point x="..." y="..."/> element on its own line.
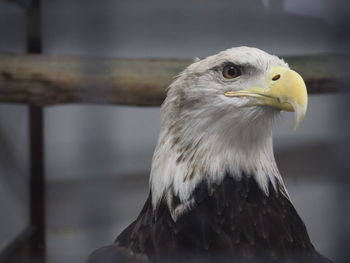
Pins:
<point x="234" y="221"/>
<point x="115" y="254"/>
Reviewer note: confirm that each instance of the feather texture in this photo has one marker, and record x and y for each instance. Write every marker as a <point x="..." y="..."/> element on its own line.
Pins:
<point x="234" y="221"/>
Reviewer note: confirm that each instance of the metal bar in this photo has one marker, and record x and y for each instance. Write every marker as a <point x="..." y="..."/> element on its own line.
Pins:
<point x="34" y="43"/>
<point x="33" y="237"/>
<point x="46" y="81"/>
<point x="36" y="135"/>
<point x="37" y="178"/>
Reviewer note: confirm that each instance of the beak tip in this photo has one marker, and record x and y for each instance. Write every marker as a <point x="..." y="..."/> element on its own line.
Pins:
<point x="299" y="117"/>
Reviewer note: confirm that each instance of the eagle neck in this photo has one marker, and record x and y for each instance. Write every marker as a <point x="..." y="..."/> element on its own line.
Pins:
<point x="181" y="163"/>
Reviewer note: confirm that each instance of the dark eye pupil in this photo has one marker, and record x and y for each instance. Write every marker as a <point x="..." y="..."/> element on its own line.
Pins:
<point x="231" y="71"/>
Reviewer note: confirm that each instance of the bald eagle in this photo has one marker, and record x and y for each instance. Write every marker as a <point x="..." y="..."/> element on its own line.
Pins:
<point x="216" y="194"/>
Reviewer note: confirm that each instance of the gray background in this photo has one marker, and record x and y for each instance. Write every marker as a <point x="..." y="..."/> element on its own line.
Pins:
<point x="89" y="147"/>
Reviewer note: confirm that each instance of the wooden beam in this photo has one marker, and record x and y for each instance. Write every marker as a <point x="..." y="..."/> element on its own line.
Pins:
<point x="53" y="80"/>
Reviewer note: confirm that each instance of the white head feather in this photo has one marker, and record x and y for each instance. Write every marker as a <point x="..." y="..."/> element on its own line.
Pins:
<point x="204" y="133"/>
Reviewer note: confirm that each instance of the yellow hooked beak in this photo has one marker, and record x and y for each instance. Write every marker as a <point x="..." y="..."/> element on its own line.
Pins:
<point x="285" y="90"/>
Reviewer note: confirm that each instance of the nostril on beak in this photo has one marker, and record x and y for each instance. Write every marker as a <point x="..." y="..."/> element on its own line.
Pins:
<point x="276" y="77"/>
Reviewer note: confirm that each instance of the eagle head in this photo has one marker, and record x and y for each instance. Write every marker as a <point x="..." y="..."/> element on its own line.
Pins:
<point x="218" y="116"/>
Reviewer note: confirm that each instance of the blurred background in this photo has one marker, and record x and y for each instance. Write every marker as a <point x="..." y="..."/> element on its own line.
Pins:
<point x="98" y="157"/>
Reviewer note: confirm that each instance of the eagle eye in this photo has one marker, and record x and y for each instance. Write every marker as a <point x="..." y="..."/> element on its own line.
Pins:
<point x="231" y="71"/>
